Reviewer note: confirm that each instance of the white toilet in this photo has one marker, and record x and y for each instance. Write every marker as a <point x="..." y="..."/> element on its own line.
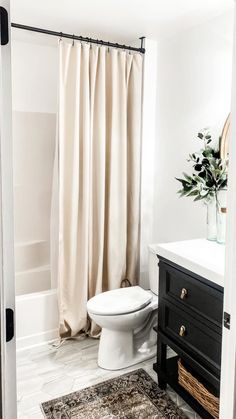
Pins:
<point x="127" y="317"/>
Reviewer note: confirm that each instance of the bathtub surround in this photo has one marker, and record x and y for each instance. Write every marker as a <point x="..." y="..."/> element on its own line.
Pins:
<point x="131" y="395"/>
<point x="34" y="97"/>
<point x="33" y="152"/>
<point x="99" y="143"/>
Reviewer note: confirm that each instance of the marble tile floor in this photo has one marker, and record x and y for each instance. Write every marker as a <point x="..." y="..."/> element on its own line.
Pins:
<point x="45" y="372"/>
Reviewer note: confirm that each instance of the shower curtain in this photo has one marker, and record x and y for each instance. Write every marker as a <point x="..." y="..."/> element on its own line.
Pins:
<point x="98" y="174"/>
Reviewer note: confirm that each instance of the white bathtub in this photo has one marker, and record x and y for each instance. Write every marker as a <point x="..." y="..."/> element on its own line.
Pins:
<point x="36" y="318"/>
<point x="36" y="302"/>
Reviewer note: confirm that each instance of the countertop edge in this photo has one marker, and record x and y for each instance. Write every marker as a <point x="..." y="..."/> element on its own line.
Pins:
<point x="192" y="266"/>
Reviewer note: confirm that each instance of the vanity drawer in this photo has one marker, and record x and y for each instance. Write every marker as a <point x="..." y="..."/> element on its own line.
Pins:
<point x="192" y="293"/>
<point x="191" y="335"/>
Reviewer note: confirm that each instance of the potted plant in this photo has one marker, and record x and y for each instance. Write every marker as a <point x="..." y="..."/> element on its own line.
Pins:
<point x="209" y="177"/>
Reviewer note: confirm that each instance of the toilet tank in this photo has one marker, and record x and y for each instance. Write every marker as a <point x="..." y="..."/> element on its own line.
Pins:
<point x="153" y="269"/>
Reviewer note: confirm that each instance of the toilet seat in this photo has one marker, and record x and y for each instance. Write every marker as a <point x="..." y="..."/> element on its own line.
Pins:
<point x="119" y="301"/>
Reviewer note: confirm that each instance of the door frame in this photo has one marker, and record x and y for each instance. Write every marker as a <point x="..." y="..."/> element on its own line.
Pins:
<point x="7" y="274"/>
<point x="228" y="365"/>
<point x="7" y="291"/>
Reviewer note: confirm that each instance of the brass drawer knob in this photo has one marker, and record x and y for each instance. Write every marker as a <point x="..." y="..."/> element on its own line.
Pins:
<point x="183" y="294"/>
<point x="182" y="331"/>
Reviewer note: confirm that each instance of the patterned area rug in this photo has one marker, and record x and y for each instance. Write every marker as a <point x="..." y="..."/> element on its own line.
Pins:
<point x="131" y="396"/>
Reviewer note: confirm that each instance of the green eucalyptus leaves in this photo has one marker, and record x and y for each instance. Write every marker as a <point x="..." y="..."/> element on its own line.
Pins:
<point x="210" y="172"/>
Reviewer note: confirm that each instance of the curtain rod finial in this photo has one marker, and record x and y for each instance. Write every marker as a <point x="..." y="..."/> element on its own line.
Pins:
<point x="142" y="38"/>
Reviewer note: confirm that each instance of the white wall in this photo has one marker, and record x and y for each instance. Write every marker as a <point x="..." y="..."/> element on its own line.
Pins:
<point x="34" y="78"/>
<point x="148" y="155"/>
<point x="193" y="91"/>
<point x="34" y="75"/>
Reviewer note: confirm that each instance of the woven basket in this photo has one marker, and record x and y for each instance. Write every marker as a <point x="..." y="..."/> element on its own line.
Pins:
<point x="198" y="391"/>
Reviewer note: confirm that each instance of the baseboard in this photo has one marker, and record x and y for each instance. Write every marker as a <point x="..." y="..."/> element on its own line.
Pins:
<point x="27" y="342"/>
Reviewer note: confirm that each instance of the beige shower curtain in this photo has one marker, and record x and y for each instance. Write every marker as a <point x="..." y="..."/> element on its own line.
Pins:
<point x="99" y="147"/>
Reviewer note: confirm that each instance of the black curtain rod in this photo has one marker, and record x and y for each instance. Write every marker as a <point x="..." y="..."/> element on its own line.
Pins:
<point x="80" y="38"/>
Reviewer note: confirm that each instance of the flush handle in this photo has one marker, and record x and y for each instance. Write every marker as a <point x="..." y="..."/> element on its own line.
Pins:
<point x="182" y="331"/>
<point x="183" y="294"/>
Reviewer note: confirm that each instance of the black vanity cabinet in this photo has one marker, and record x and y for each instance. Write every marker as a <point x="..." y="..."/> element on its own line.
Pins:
<point x="190" y="323"/>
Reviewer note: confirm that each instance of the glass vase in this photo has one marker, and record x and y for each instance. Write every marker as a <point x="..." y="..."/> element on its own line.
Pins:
<point x="211" y="219"/>
<point x="221" y="215"/>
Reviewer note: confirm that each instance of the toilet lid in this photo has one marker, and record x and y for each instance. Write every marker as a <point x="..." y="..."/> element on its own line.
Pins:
<point x="119" y="301"/>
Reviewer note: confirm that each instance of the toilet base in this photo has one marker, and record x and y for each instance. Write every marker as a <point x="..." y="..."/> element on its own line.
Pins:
<point x="122" y="349"/>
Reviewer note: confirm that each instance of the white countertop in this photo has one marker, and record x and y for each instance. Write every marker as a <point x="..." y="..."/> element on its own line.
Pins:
<point x="203" y="257"/>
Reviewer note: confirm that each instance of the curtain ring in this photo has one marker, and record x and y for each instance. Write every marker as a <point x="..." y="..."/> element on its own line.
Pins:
<point x="61" y="35"/>
<point x="73" y="37"/>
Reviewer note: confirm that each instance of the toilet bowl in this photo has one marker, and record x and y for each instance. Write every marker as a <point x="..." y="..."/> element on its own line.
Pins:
<point x="127" y="317"/>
